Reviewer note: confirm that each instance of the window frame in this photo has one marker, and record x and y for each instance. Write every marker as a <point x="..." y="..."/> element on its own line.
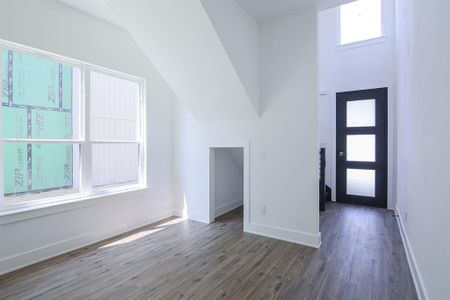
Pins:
<point x="86" y="189"/>
<point x="365" y="42"/>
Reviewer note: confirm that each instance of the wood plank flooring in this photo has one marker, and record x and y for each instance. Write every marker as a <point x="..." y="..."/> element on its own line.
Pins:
<point x="361" y="257"/>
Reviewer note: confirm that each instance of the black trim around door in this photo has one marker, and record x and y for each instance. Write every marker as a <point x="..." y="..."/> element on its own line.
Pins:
<point x="381" y="150"/>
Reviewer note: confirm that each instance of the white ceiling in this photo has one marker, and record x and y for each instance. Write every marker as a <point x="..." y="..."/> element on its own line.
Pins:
<point x="96" y="8"/>
<point x="263" y="10"/>
<point x="182" y="43"/>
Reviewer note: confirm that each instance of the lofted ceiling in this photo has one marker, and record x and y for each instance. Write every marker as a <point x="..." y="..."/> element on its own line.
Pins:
<point x="260" y="10"/>
<point x="264" y="10"/>
<point x="212" y="65"/>
<point x="180" y="39"/>
<point x="199" y="61"/>
<point x="96" y="8"/>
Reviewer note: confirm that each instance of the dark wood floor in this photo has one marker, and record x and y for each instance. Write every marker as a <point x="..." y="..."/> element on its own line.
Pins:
<point x="361" y="257"/>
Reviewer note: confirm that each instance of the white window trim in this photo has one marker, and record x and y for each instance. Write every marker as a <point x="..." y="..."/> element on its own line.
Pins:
<point x="364" y="43"/>
<point x="20" y="211"/>
<point x="361" y="43"/>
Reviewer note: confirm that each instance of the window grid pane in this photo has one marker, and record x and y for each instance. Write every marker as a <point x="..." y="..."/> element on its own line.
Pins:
<point x="34" y="171"/>
<point x="115" y="164"/>
<point x="40" y="99"/>
<point x="114" y="108"/>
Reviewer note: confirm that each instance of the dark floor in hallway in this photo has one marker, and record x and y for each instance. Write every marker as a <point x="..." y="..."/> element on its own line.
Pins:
<point x="361" y="257"/>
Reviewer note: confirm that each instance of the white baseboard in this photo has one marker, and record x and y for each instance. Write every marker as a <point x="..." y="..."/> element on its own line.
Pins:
<point x="191" y="215"/>
<point x="198" y="216"/>
<point x="178" y="212"/>
<point x="284" y="234"/>
<point x="227" y="207"/>
<point x="27" y="258"/>
<point x="413" y="266"/>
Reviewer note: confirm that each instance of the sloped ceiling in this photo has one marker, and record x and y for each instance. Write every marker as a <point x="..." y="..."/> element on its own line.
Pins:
<point x="237" y="156"/>
<point x="240" y="39"/>
<point x="265" y="10"/>
<point x="96" y="8"/>
<point x="206" y="50"/>
<point x="181" y="42"/>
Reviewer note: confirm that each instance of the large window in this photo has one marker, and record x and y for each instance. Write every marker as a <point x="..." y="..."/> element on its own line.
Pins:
<point x="68" y="129"/>
<point x="360" y="20"/>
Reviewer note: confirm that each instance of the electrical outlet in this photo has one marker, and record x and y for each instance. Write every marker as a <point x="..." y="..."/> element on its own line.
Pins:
<point x="263" y="210"/>
<point x="406" y="216"/>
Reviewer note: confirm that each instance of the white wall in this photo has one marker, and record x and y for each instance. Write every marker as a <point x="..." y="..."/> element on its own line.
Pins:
<point x="53" y="27"/>
<point x="228" y="179"/>
<point x="184" y="46"/>
<point x="283" y="143"/>
<point x="423" y="55"/>
<point x="240" y="38"/>
<point x="344" y="68"/>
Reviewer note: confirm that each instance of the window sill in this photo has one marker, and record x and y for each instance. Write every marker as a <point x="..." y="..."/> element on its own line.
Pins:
<point x="18" y="213"/>
<point x="360" y="44"/>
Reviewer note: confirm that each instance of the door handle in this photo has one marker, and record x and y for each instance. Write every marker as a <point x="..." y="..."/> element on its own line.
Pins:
<point x="341" y="154"/>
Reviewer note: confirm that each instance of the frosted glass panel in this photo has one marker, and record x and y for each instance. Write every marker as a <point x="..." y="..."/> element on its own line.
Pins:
<point x="361" y="113"/>
<point x="361" y="147"/>
<point x="361" y="182"/>
<point x="115" y="164"/>
<point x="114" y="108"/>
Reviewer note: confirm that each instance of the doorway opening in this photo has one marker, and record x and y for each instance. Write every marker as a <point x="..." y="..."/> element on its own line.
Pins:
<point x="357" y="76"/>
<point x="227" y="181"/>
<point x="361" y="147"/>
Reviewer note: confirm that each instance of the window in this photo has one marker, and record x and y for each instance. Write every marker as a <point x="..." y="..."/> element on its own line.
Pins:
<point x="69" y="129"/>
<point x="114" y="130"/>
<point x="360" y="20"/>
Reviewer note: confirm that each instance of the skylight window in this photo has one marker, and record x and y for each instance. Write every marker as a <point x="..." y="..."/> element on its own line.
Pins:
<point x="360" y="20"/>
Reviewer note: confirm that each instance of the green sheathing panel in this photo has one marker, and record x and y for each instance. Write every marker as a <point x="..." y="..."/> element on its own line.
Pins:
<point x="35" y="81"/>
<point x="37" y="104"/>
<point x="54" y="160"/>
<point x="14" y="122"/>
<point x="51" y="167"/>
<point x="15" y="168"/>
<point x="43" y="125"/>
<point x="5" y="76"/>
<point x="66" y="86"/>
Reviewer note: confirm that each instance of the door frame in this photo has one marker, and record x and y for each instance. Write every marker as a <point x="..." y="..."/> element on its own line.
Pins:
<point x="246" y="170"/>
<point x="329" y="96"/>
<point x="382" y="150"/>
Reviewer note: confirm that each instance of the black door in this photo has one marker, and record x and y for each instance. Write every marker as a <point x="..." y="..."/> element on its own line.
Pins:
<point x="361" y="147"/>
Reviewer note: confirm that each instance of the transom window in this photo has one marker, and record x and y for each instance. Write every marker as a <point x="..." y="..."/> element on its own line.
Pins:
<point x="68" y="129"/>
<point x="360" y="20"/>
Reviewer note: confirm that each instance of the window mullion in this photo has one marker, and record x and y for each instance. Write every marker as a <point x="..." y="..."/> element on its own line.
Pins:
<point x="143" y="133"/>
<point x="86" y="151"/>
<point x="2" y="182"/>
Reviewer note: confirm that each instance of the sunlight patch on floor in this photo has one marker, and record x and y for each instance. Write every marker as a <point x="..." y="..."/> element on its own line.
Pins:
<point x="171" y="222"/>
<point x="132" y="238"/>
